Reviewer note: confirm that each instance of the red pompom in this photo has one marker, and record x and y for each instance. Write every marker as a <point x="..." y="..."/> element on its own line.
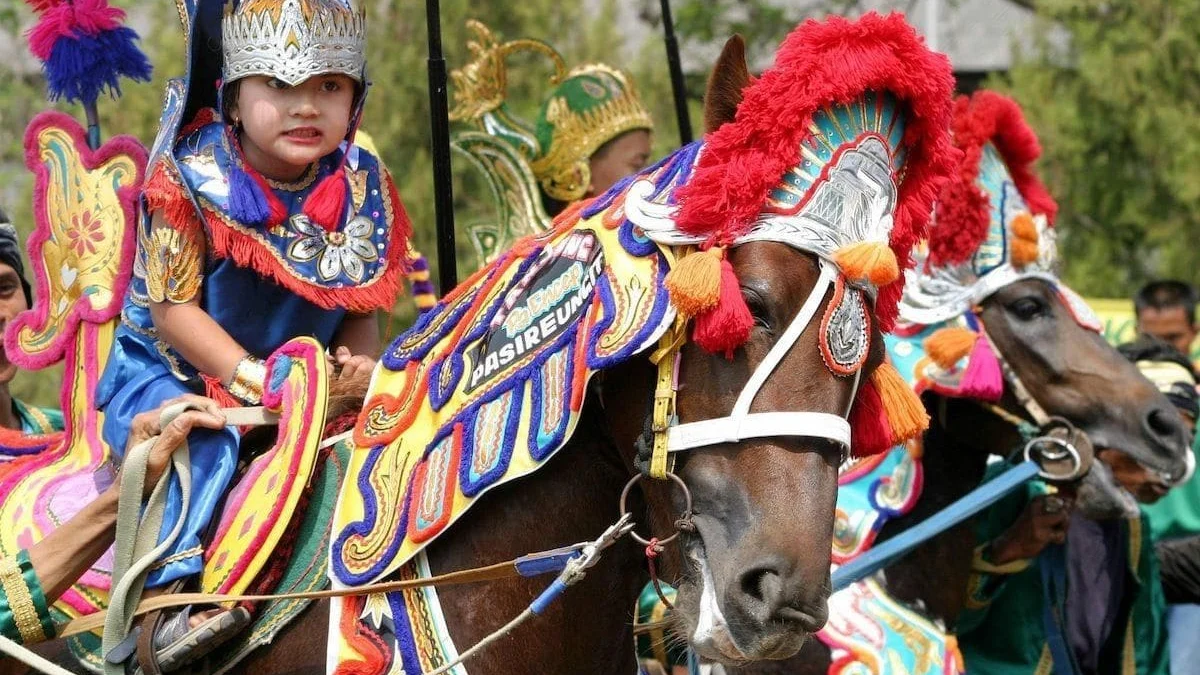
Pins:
<point x="327" y="203"/>
<point x="725" y="327"/>
<point x="822" y="63"/>
<point x="59" y="20"/>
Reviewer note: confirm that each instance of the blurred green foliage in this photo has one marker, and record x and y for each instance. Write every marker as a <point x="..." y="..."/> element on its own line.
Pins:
<point x="1119" y="119"/>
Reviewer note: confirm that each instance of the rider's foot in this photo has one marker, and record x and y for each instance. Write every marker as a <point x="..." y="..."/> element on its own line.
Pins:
<point x="200" y="617"/>
<point x="189" y="635"/>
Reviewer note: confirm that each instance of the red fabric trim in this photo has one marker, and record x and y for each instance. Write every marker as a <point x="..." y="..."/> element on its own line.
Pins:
<point x="164" y="194"/>
<point x="217" y="392"/>
<point x="963" y="216"/>
<point x="834" y="61"/>
<point x="203" y="118"/>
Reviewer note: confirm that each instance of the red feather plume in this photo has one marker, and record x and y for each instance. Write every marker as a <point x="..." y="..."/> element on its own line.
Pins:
<point x="834" y="61"/>
<point x="962" y="209"/>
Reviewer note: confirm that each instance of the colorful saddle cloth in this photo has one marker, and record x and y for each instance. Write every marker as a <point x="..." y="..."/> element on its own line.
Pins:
<point x="488" y="385"/>
<point x="482" y="391"/>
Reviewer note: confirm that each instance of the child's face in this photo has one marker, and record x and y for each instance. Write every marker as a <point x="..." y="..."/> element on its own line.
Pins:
<point x="288" y="128"/>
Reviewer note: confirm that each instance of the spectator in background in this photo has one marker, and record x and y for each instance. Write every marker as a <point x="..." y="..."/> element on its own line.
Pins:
<point x="16" y="296"/>
<point x="1166" y="309"/>
<point x="1177" y="514"/>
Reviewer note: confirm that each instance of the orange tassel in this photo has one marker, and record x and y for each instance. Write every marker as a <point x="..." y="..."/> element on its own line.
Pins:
<point x="1023" y="227"/>
<point x="1024" y="245"/>
<point x="904" y="409"/>
<point x="872" y="261"/>
<point x="694" y="283"/>
<point x="1024" y="252"/>
<point x="948" y="346"/>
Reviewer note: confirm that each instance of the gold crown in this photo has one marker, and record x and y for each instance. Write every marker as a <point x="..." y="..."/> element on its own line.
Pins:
<point x="575" y="135"/>
<point x="294" y="40"/>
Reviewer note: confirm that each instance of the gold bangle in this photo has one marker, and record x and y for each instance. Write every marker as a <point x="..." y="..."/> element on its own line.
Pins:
<point x="20" y="602"/>
<point x="249" y="379"/>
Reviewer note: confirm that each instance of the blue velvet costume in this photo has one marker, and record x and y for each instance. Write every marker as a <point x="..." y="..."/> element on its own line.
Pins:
<point x="264" y="286"/>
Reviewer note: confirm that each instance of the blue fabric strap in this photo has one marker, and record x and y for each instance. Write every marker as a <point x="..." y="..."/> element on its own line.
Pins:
<point x="973" y="502"/>
<point x="546" y="562"/>
<point x="1052" y="562"/>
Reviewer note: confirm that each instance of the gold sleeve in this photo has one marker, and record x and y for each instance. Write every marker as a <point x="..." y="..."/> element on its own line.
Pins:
<point x="174" y="264"/>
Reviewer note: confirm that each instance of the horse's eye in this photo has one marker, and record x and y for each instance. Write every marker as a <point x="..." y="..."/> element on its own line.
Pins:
<point x="1028" y="308"/>
<point x="758" y="308"/>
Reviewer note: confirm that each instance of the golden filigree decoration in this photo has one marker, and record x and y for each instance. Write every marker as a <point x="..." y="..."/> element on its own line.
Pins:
<point x="174" y="266"/>
<point x="482" y="85"/>
<point x="563" y="169"/>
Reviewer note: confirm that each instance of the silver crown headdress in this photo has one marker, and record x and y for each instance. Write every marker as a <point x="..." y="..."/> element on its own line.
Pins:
<point x="294" y="40"/>
<point x="844" y="190"/>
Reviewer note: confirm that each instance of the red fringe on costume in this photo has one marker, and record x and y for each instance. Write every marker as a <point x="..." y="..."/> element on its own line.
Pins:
<point x="962" y="209"/>
<point x="164" y="192"/>
<point x="834" y="61"/>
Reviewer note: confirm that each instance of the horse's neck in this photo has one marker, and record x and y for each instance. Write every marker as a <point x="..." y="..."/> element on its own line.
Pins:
<point x="961" y="436"/>
<point x="572" y="498"/>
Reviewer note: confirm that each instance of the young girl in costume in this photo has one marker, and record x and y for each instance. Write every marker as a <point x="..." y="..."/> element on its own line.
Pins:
<point x="262" y="222"/>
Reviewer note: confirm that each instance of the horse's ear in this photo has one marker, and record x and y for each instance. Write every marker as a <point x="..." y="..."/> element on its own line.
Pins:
<point x="725" y="85"/>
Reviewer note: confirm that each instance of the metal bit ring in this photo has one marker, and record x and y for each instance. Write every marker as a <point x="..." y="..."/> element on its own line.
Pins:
<point x="687" y="510"/>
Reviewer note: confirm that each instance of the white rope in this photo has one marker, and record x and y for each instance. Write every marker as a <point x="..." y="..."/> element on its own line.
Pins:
<point x="24" y="655"/>
<point x="504" y="630"/>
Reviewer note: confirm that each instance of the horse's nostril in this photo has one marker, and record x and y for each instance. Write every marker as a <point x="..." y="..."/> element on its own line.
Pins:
<point x="762" y="584"/>
<point x="1164" y="423"/>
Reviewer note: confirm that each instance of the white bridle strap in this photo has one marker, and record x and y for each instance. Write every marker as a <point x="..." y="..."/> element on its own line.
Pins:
<point x="741" y="423"/>
<point x="758" y="425"/>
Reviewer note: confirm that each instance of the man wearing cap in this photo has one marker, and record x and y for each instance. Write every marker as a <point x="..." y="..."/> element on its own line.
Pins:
<point x="16" y="296"/>
<point x="1176" y="515"/>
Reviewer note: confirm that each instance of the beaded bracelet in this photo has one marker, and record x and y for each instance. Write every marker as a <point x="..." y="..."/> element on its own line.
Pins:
<point x="249" y="378"/>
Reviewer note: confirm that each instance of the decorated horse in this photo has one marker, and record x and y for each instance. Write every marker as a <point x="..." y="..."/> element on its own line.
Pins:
<point x="714" y="322"/>
<point x="1002" y="351"/>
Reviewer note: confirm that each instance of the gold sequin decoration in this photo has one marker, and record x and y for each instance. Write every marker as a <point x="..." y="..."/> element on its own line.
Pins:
<point x="358" y="187"/>
<point x="173" y="266"/>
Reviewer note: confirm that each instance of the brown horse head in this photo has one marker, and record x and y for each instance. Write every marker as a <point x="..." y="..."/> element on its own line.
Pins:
<point x="759" y="580"/>
<point x="1073" y="373"/>
<point x="798" y="168"/>
<point x="992" y="254"/>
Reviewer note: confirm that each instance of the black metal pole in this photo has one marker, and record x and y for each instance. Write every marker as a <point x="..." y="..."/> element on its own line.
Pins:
<point x="678" y="86"/>
<point x="93" y="122"/>
<point x="443" y="195"/>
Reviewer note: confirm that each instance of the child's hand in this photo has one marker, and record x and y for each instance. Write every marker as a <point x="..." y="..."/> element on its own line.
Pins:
<point x="352" y="366"/>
